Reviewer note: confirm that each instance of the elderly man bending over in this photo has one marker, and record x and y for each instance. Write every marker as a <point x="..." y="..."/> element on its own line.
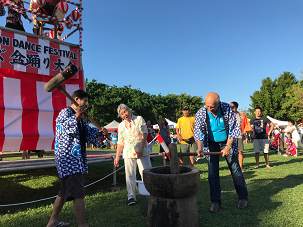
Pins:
<point x="132" y="140"/>
<point x="216" y="127"/>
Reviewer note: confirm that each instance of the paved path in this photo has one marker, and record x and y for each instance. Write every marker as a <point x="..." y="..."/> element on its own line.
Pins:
<point x="49" y="161"/>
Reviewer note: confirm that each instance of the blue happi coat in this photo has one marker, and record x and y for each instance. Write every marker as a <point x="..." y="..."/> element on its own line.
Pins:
<point x="68" y="154"/>
<point x="231" y="123"/>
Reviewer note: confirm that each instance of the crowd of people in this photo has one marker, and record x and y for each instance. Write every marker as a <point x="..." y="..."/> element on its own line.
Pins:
<point x="217" y="126"/>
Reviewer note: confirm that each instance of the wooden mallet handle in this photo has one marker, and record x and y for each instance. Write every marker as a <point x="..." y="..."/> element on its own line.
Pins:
<point x="195" y="154"/>
<point x="60" y="88"/>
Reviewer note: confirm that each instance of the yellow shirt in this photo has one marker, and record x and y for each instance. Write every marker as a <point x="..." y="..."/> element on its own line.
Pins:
<point x="187" y="125"/>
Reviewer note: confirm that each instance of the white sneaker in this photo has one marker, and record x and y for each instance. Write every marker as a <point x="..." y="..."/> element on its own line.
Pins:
<point x="295" y="155"/>
<point x="285" y="155"/>
<point x="200" y="157"/>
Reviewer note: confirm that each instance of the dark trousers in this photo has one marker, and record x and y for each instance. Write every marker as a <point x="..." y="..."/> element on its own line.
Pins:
<point x="17" y="26"/>
<point x="213" y="173"/>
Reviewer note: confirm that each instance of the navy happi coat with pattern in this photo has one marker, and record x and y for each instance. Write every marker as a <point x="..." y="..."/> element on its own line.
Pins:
<point x="70" y="159"/>
<point x="233" y="129"/>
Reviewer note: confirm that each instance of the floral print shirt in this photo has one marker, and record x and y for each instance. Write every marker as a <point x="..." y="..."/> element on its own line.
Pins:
<point x="130" y="136"/>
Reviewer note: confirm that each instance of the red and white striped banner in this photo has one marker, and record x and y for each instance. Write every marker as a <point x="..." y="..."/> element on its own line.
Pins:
<point x="27" y="111"/>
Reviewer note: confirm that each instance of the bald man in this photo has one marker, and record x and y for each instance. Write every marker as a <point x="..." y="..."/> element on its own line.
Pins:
<point x="216" y="127"/>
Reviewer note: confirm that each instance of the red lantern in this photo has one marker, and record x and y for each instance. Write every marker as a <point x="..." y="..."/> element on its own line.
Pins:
<point x="41" y="2"/>
<point x="75" y="15"/>
<point x="51" y="34"/>
<point x="69" y="24"/>
<point x="63" y="7"/>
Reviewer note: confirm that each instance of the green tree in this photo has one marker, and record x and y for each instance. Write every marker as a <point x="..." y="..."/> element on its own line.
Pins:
<point x="272" y="95"/>
<point x="293" y="105"/>
<point x="105" y="100"/>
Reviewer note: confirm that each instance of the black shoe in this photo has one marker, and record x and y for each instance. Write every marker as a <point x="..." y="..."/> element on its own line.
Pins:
<point x="242" y="204"/>
<point x="131" y="202"/>
<point x="214" y="208"/>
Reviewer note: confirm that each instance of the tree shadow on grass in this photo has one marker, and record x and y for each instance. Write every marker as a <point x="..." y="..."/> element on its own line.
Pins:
<point x="14" y="191"/>
<point x="260" y="192"/>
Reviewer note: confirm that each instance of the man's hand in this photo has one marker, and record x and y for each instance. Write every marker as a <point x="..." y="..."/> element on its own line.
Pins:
<point x="116" y="161"/>
<point x="225" y="152"/>
<point x="200" y="152"/>
<point x="79" y="111"/>
<point x="268" y="137"/>
<point x="179" y="137"/>
<point x="253" y="136"/>
<point x="103" y="131"/>
<point x="140" y="152"/>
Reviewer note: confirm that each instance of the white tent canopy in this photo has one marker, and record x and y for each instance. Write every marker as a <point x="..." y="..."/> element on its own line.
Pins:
<point x="277" y="122"/>
<point x="113" y="124"/>
<point x="171" y="124"/>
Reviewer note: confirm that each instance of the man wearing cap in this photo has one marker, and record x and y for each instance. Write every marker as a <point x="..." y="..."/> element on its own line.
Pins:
<point x="216" y="127"/>
<point x="185" y="134"/>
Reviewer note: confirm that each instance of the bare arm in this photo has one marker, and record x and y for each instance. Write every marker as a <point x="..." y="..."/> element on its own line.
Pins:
<point x="200" y="148"/>
<point x="118" y="153"/>
<point x="290" y="130"/>
<point x="157" y="121"/>
<point x="272" y="126"/>
<point x="142" y="145"/>
<point x="270" y="131"/>
<point x="178" y="134"/>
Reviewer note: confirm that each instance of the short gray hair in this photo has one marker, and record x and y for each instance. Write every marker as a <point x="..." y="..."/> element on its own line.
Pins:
<point x="122" y="106"/>
<point x="218" y="99"/>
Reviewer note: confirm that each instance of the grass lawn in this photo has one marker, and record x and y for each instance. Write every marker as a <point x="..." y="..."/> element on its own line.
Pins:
<point x="275" y="195"/>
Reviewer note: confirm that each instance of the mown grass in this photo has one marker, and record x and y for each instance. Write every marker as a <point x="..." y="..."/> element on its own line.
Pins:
<point x="275" y="196"/>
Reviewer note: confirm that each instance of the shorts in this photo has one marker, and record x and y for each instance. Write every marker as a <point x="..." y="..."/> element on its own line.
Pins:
<point x="72" y="187"/>
<point x="113" y="142"/>
<point x="240" y="144"/>
<point x="188" y="148"/>
<point x="261" y="143"/>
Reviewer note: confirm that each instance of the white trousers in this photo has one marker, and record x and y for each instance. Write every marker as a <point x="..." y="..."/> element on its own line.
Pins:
<point x="130" y="173"/>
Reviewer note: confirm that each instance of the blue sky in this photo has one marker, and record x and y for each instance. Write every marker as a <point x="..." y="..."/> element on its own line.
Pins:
<point x="192" y="46"/>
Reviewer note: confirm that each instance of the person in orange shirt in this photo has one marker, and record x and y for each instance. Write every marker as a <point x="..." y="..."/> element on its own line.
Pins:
<point x="245" y="127"/>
